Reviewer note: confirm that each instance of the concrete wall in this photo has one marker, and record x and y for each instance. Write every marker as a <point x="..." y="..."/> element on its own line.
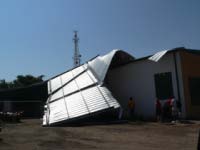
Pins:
<point x="137" y="80"/>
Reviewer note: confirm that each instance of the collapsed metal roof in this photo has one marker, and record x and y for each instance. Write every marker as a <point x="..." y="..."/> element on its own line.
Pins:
<point x="81" y="92"/>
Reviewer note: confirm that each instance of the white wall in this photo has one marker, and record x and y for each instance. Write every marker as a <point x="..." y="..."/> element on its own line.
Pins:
<point x="181" y="86"/>
<point x="137" y="80"/>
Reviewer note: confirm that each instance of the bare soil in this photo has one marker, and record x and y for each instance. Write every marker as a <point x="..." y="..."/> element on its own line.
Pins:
<point x="30" y="135"/>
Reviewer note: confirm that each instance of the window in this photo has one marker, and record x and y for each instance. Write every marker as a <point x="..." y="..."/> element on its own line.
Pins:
<point x="194" y="88"/>
<point x="163" y="85"/>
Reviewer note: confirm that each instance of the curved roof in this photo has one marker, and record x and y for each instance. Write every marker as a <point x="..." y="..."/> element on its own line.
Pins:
<point x="101" y="64"/>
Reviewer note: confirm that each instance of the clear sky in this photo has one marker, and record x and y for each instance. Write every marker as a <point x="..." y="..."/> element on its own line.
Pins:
<point x="36" y="35"/>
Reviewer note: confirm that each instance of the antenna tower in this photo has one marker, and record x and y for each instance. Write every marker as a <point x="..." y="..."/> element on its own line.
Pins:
<point x="77" y="55"/>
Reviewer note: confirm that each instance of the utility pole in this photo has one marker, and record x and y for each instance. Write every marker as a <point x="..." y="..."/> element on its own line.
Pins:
<point x="77" y="55"/>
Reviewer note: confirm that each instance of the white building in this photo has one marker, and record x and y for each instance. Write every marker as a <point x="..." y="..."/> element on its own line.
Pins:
<point x="175" y="73"/>
<point x="108" y="81"/>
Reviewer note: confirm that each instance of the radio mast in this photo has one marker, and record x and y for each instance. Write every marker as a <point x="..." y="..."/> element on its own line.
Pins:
<point x="77" y="55"/>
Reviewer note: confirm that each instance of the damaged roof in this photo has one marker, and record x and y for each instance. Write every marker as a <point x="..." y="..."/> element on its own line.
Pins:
<point x="155" y="57"/>
<point x="81" y="92"/>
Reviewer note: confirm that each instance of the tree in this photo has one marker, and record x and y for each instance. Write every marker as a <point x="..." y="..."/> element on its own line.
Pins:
<point x="3" y="84"/>
<point x="21" y="81"/>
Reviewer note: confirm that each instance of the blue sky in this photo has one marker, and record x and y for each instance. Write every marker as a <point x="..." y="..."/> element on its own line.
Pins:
<point x="36" y="35"/>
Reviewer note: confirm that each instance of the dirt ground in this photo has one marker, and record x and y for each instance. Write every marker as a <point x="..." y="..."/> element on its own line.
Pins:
<point x="30" y="135"/>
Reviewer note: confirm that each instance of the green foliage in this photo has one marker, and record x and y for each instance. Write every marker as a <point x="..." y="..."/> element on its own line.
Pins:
<point x="21" y="81"/>
<point x="3" y="84"/>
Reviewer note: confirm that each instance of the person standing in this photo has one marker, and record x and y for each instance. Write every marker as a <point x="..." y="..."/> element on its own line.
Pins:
<point x="174" y="109"/>
<point x="131" y="107"/>
<point x="158" y="110"/>
<point x="178" y="105"/>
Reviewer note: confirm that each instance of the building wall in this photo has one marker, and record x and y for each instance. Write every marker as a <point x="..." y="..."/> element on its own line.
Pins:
<point x="137" y="80"/>
<point x="7" y="106"/>
<point x="29" y="108"/>
<point x="29" y="99"/>
<point x="191" y="68"/>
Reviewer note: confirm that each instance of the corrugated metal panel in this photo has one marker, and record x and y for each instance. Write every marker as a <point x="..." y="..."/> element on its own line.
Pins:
<point x="76" y="105"/>
<point x="84" y="80"/>
<point x="69" y="88"/>
<point x="92" y="76"/>
<point x="58" y="111"/>
<point x="49" y="87"/>
<point x="101" y="64"/>
<point x="55" y="84"/>
<point x="78" y="70"/>
<point x="57" y="95"/>
<point x="108" y="96"/>
<point x="82" y="103"/>
<point x="59" y="81"/>
<point x="66" y="77"/>
<point x="156" y="57"/>
<point x="94" y="99"/>
<point x="78" y="92"/>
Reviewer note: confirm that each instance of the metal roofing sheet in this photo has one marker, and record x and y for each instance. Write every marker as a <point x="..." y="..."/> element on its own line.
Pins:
<point x="79" y="92"/>
<point x="156" y="57"/>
